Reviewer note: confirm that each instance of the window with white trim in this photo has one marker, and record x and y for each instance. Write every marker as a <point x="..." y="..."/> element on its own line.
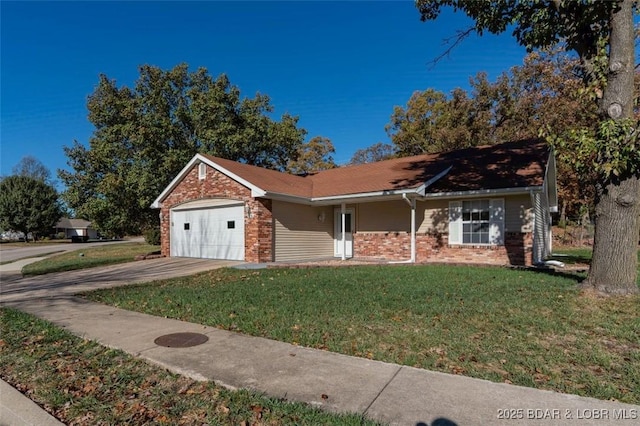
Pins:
<point x="202" y="171"/>
<point x="479" y="222"/>
<point x="475" y="222"/>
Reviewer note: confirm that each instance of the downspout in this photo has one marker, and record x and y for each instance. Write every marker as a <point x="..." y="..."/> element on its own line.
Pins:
<point x="343" y="214"/>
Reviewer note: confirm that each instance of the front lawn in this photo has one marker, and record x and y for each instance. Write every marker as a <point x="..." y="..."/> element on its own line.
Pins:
<point x="515" y="326"/>
<point x="90" y="257"/>
<point x="83" y="383"/>
<point x="579" y="255"/>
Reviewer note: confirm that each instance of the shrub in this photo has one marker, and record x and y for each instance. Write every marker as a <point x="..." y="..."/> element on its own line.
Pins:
<point x="152" y="236"/>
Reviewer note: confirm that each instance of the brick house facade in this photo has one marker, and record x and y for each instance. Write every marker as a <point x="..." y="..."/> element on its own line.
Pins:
<point x="303" y="226"/>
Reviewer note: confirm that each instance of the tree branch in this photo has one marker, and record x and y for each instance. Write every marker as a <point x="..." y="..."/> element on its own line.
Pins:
<point x="452" y="42"/>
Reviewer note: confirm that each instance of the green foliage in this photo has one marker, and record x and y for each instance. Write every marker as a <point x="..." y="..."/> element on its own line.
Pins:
<point x="534" y="24"/>
<point x="313" y="156"/>
<point x="431" y="122"/>
<point x="144" y="135"/>
<point x="602" y="35"/>
<point x="152" y="236"/>
<point x="608" y="150"/>
<point x="376" y="152"/>
<point x="28" y="205"/>
<point x="541" y="92"/>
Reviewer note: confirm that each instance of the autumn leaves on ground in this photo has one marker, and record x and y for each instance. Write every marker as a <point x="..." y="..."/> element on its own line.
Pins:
<point x="531" y="328"/>
<point x="82" y="383"/>
<point x="513" y="326"/>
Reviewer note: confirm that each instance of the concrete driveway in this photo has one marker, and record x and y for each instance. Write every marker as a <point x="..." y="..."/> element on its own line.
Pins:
<point x="15" y="288"/>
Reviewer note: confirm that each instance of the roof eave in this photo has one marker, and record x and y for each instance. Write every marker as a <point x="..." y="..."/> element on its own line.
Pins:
<point x="480" y="192"/>
<point x="332" y="199"/>
<point x="391" y="193"/>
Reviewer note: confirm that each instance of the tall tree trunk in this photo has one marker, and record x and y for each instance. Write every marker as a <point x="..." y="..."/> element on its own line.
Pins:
<point x="615" y="263"/>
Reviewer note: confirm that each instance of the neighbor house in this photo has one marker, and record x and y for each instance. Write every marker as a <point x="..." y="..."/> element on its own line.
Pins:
<point x="76" y="228"/>
<point x="488" y="204"/>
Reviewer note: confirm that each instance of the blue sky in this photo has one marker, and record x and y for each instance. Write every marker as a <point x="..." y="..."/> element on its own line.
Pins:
<point x="340" y="66"/>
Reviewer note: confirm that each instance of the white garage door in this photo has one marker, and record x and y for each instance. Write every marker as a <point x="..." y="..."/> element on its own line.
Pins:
<point x="213" y="232"/>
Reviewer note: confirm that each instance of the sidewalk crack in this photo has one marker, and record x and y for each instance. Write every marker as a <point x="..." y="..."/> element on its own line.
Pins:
<point x="364" y="413"/>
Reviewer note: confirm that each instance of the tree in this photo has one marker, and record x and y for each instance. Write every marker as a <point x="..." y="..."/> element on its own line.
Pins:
<point x="602" y="35"/>
<point x="540" y="95"/>
<point x="32" y="167"/>
<point x="431" y="123"/>
<point x="144" y="135"/>
<point x="28" y="205"/>
<point x="313" y="156"/>
<point x="376" y="152"/>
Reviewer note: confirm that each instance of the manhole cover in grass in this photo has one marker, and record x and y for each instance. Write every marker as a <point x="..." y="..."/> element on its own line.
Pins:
<point x="181" y="340"/>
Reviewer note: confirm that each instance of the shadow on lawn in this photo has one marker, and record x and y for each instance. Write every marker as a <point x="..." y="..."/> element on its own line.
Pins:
<point x="572" y="259"/>
<point x="571" y="275"/>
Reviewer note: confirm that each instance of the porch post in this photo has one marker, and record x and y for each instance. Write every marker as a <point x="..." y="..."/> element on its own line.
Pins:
<point x="343" y="214"/>
<point x="413" y="230"/>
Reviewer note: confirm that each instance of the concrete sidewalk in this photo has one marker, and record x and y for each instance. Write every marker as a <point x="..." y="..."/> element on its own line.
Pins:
<point x="15" y="408"/>
<point x="390" y="393"/>
<point x="18" y="410"/>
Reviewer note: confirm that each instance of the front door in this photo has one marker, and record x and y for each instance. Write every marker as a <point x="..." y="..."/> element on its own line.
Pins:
<point x="347" y="244"/>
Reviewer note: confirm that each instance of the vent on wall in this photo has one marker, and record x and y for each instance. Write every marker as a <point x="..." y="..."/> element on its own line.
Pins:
<point x="202" y="171"/>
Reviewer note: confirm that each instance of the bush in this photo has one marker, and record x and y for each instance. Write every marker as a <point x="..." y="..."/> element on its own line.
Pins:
<point x="152" y="236"/>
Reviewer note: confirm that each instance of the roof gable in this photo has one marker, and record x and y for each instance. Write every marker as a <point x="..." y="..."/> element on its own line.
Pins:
<point x="267" y="180"/>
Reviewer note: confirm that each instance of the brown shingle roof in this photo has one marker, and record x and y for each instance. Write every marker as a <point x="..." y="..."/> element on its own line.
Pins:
<point x="509" y="165"/>
<point x="268" y="180"/>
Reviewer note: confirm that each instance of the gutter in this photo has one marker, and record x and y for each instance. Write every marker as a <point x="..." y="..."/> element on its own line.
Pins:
<point x="500" y="191"/>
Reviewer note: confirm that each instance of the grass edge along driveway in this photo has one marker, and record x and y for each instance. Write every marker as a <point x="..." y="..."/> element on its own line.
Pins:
<point x="81" y="382"/>
<point x="89" y="257"/>
<point x="514" y="326"/>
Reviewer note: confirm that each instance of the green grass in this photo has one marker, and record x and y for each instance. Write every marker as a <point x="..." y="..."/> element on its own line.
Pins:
<point x="81" y="382"/>
<point x="89" y="257"/>
<point x="580" y="255"/>
<point x="515" y="326"/>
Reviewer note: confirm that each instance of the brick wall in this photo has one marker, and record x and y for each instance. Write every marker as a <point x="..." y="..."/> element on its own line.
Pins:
<point x="517" y="249"/>
<point x="258" y="227"/>
<point x="258" y="237"/>
<point x="259" y="230"/>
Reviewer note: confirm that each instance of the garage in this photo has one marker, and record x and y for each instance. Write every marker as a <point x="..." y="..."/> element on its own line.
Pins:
<point x="212" y="229"/>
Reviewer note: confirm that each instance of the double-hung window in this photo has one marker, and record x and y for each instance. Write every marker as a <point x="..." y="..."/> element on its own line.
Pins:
<point x="478" y="221"/>
<point x="475" y="222"/>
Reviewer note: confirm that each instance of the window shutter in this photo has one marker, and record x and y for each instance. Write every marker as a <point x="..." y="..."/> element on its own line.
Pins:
<point x="455" y="222"/>
<point x="496" y="221"/>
